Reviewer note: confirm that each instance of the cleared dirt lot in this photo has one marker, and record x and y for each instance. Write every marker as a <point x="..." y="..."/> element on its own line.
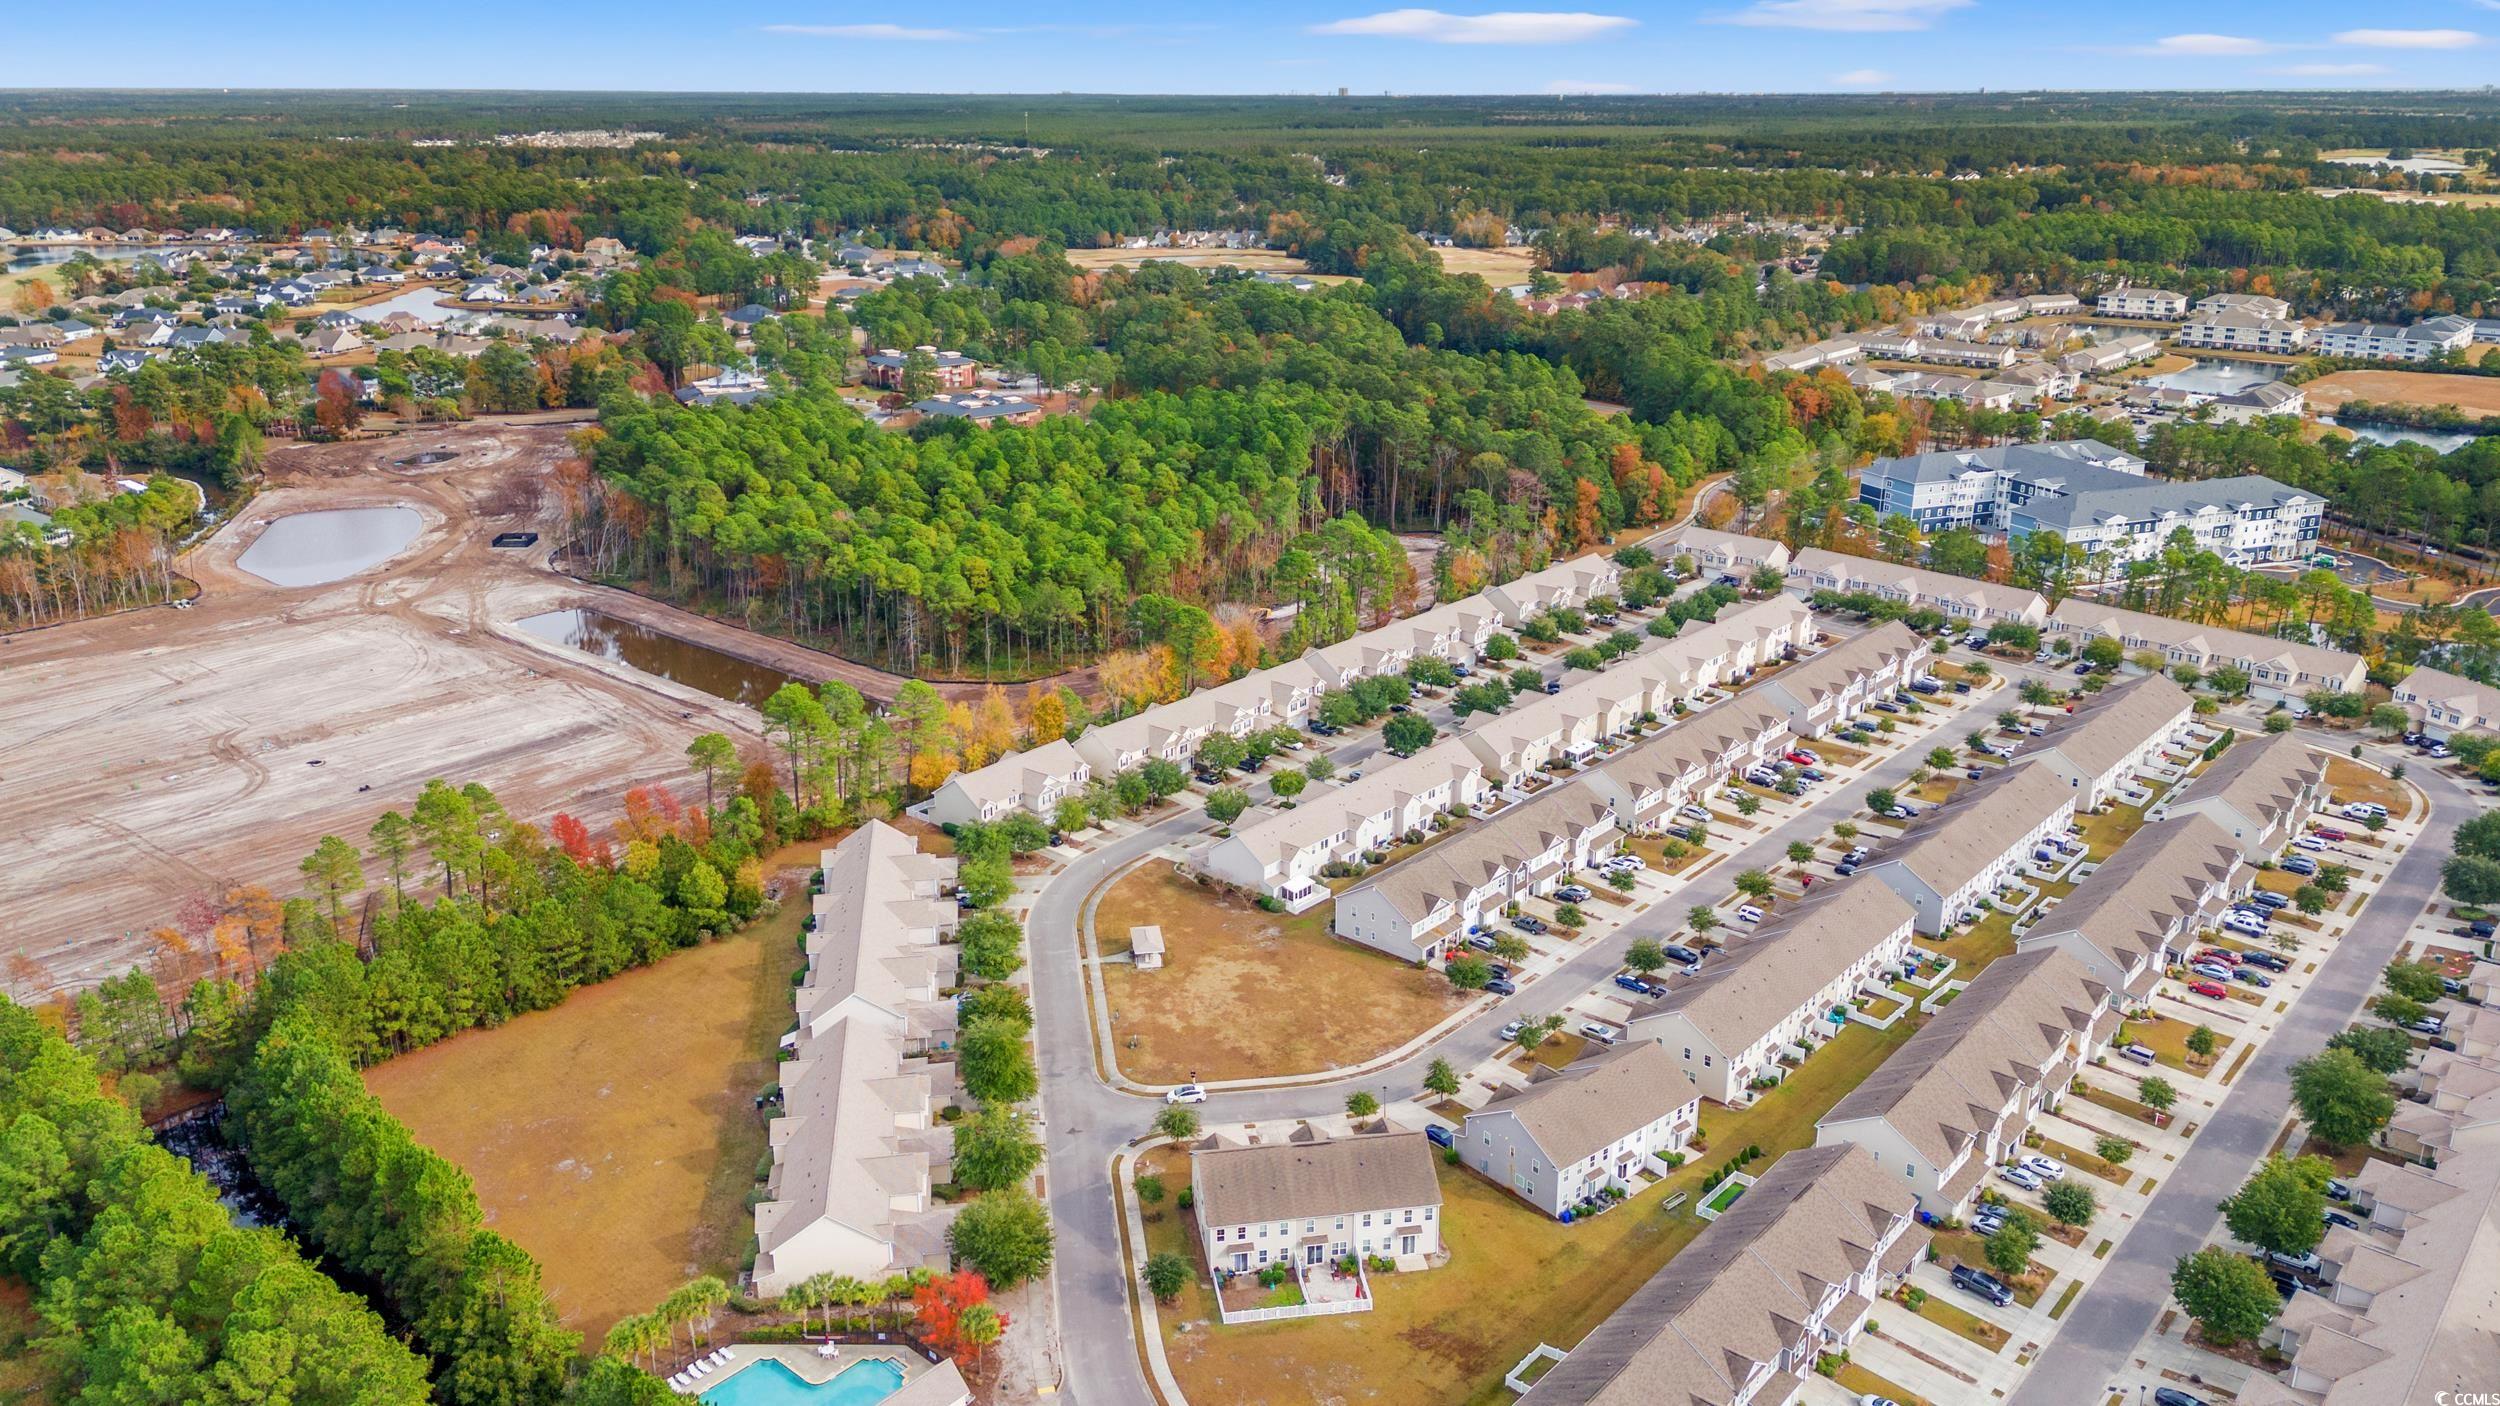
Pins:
<point x="161" y="754"/>
<point x="1235" y="996"/>
<point x="615" y="1136"/>
<point x="1254" y="260"/>
<point x="2474" y="395"/>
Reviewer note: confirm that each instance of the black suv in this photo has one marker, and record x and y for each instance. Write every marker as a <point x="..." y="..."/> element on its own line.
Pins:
<point x="1986" y="1286"/>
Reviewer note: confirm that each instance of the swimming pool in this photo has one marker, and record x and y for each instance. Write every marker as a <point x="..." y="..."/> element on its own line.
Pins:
<point x="769" y="1383"/>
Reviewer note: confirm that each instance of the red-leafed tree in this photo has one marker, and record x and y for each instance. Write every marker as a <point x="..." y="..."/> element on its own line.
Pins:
<point x="939" y="1307"/>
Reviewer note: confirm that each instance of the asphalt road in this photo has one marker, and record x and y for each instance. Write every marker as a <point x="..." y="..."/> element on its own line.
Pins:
<point x="1087" y="1121"/>
<point x="2098" y="1339"/>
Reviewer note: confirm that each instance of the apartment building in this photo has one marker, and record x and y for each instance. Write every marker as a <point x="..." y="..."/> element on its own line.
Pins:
<point x="2426" y="340"/>
<point x="2238" y="328"/>
<point x="2260" y="792"/>
<point x="1814" y="356"/>
<point x="2278" y="670"/>
<point x="2443" y="704"/>
<point x="1280" y="852"/>
<point x="2115" y="733"/>
<point x="2259" y="402"/>
<point x="1645" y="786"/>
<point x="1960" y="1095"/>
<point x="1311" y="1200"/>
<point x="1566" y="584"/>
<point x="1738" y="1318"/>
<point x="1976" y="842"/>
<point x="2096" y="498"/>
<point x="2144" y="906"/>
<point x="1034" y="781"/>
<point x="1420" y="907"/>
<point x="1573" y="1132"/>
<point x="1820" y="693"/>
<point x="1718" y="553"/>
<point x="2142" y="302"/>
<point x="2111" y="355"/>
<point x="1778" y="987"/>
<point x="2258" y="303"/>
<point x="857" y="1147"/>
<point x="1960" y="597"/>
<point x="948" y="370"/>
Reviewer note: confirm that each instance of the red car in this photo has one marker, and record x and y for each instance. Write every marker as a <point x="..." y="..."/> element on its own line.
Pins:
<point x="2329" y="834"/>
<point x="2210" y="990"/>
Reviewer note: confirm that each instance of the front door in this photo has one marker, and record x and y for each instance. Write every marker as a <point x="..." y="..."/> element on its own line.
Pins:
<point x="1406" y="1244"/>
<point x="1313" y="1254"/>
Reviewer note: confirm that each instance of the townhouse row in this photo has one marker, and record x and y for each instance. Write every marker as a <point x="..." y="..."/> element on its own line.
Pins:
<point x="1739" y="1317"/>
<point x="858" y="1146"/>
<point x="1280" y="696"/>
<point x="2444" y="704"/>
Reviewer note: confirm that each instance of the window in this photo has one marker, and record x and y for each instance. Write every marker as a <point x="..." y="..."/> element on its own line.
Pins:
<point x="1219" y="1235"/>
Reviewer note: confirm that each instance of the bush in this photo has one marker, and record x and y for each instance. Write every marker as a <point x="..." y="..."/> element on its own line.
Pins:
<point x="2114" y="1150"/>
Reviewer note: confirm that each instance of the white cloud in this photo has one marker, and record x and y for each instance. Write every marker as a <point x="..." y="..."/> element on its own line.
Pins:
<point x="1862" y="78"/>
<point x="2330" y="70"/>
<point x="1586" y="87"/>
<point x="2409" y="38"/>
<point x="866" y="31"/>
<point x="1499" y="27"/>
<point x="2205" y="46"/>
<point x="1848" y="16"/>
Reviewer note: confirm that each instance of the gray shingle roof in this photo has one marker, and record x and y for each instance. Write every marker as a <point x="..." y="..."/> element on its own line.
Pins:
<point x="1324" y="1177"/>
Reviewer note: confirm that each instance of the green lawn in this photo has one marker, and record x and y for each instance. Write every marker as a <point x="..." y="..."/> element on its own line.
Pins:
<point x="1726" y="1195"/>
<point x="2104" y="833"/>
<point x="1979" y="944"/>
<point x="2081" y="1160"/>
<point x="1971" y="1248"/>
<point x="1944" y="1315"/>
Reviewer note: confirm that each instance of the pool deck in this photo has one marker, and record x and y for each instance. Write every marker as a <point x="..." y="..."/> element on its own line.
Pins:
<point x="924" y="1383"/>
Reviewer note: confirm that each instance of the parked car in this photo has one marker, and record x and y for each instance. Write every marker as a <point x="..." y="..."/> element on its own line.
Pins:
<point x="2363" y="810"/>
<point x="2172" y="1396"/>
<point x="2440" y="752"/>
<point x="2338" y="1218"/>
<point x="1678" y="952"/>
<point x="2267" y="899"/>
<point x="1572" y="893"/>
<point x="2300" y="864"/>
<point x="1983" y="1284"/>
<point x="1528" y="924"/>
<point x="2137" y="1053"/>
<point x="2338" y="1189"/>
<point x="2271" y="961"/>
<point x="1553" y="685"/>
<point x="1501" y="986"/>
<point x="2306" y="1263"/>
<point x="1482" y="942"/>
<point x="2019" y="1177"/>
<point x="2083" y="668"/>
<point x="1747" y="913"/>
<point x="2046" y="1168"/>
<point x="2427" y="1025"/>
<point x="1926" y="686"/>
<point x="2310" y="842"/>
<point x="1809" y="774"/>
<point x="1602" y="1033"/>
<point x="1903" y="810"/>
<point x="1845" y="868"/>
<point x="1511" y="1031"/>
<point x="1802" y="757"/>
<point x="2244" y="925"/>
<point x="1763" y="776"/>
<point x="2250" y="976"/>
<point x="2481" y="927"/>
<point x="1987" y="1220"/>
<point x="2210" y="990"/>
<point x="1186" y="1093"/>
<point x="2212" y="970"/>
<point x="2324" y="834"/>
<point x="1637" y="986"/>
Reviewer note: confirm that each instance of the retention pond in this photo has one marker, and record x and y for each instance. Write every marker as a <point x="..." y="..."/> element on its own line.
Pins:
<point x="661" y="655"/>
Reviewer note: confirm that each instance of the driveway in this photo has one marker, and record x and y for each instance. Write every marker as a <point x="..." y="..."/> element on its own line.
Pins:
<point x="2098" y="1340"/>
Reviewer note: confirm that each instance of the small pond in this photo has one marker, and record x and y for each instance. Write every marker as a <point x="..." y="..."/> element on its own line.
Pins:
<point x="2445" y="441"/>
<point x="661" y="655"/>
<point x="309" y="549"/>
<point x="2216" y="377"/>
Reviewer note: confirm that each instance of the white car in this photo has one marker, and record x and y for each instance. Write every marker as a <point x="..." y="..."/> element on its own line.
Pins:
<point x="1748" y="914"/>
<point x="2019" y="1177"/>
<point x="2364" y="810"/>
<point x="2244" y="926"/>
<point x="2045" y="1168"/>
<point x="1186" y="1093"/>
<point x="2310" y="842"/>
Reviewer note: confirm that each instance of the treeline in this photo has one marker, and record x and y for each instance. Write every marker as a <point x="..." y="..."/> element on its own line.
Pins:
<point x="1259" y="416"/>
<point x="146" y="1289"/>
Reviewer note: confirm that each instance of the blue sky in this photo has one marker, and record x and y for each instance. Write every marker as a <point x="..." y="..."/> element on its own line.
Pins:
<point x="1286" y="46"/>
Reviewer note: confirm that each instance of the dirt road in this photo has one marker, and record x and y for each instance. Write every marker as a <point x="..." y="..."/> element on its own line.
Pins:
<point x="163" y="754"/>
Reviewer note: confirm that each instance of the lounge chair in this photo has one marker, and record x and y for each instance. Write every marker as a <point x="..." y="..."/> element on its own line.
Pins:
<point x="719" y="1357"/>
<point x="700" y="1369"/>
<point x="678" y="1382"/>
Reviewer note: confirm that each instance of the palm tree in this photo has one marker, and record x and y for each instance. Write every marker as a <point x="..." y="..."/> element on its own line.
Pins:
<point x="704" y="1299"/>
<point x="846" y="1292"/>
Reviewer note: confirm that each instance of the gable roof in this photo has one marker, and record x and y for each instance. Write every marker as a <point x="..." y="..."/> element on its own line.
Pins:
<point x="2205" y="641"/>
<point x="1572" y="1112"/>
<point x="2116" y="722"/>
<point x="2125" y="908"/>
<point x="1295" y="1179"/>
<point x="2260" y="777"/>
<point x="1944" y="1089"/>
<point x="1973" y="829"/>
<point x="1742" y="1291"/>
<point x="1754" y="985"/>
<point x="1475" y="856"/>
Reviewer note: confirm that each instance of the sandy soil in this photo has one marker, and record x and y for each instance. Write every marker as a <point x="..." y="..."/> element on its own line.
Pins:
<point x="160" y="754"/>
<point x="2474" y="395"/>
